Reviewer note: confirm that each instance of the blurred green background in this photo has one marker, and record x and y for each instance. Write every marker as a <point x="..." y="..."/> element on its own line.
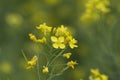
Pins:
<point x="99" y="41"/>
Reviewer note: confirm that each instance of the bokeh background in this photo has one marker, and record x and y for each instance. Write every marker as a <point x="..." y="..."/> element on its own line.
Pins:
<point x="98" y="40"/>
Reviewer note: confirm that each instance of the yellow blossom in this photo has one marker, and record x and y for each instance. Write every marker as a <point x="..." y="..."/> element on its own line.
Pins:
<point x="32" y="62"/>
<point x="71" y="64"/>
<point x="95" y="72"/>
<point x="93" y="10"/>
<point x="67" y="55"/>
<point x="14" y="20"/>
<point x="33" y="37"/>
<point x="44" y="28"/>
<point x="104" y="77"/>
<point x="45" y="69"/>
<point x="72" y="43"/>
<point x="43" y="40"/>
<point x="96" y="75"/>
<point x="87" y="17"/>
<point x="102" y="8"/>
<point x="68" y="38"/>
<point x="58" y="42"/>
<point x="61" y="31"/>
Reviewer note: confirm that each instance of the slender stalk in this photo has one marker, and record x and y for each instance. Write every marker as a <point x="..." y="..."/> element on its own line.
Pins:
<point x="55" y="57"/>
<point x="52" y="56"/>
<point x="51" y="61"/>
<point x="38" y="70"/>
<point x="50" y="76"/>
<point x="24" y="56"/>
<point x="64" y="69"/>
<point x="58" y="74"/>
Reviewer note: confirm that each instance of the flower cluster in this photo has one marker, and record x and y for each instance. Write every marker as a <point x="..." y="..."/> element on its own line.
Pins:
<point x="58" y="39"/>
<point x="62" y="38"/>
<point x="93" y="8"/>
<point x="96" y="75"/>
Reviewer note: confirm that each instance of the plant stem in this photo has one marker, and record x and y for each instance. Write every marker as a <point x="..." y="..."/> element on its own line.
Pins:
<point x="24" y="56"/>
<point x="55" y="57"/>
<point x="38" y="69"/>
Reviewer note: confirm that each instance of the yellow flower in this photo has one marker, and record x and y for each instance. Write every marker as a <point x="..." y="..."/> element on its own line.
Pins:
<point x="104" y="77"/>
<point x="102" y="8"/>
<point x="44" y="28"/>
<point x="61" y="31"/>
<point x="93" y="10"/>
<point x="72" y="43"/>
<point x="71" y="64"/>
<point x="96" y="75"/>
<point x="33" y="37"/>
<point x="32" y="62"/>
<point x="43" y="40"/>
<point x="89" y="16"/>
<point x="14" y="20"/>
<point x="68" y="38"/>
<point x="45" y="69"/>
<point x="67" y="55"/>
<point x="97" y="78"/>
<point x="95" y="72"/>
<point x="58" y="42"/>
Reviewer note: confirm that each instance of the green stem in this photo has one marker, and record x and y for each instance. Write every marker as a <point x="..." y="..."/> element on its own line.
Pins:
<point x="64" y="69"/>
<point x="38" y="70"/>
<point x="49" y="63"/>
<point x="50" y="77"/>
<point x="58" y="74"/>
<point x="24" y="56"/>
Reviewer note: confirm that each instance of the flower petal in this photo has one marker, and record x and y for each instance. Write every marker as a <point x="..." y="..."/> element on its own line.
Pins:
<point x="55" y="45"/>
<point x="61" y="39"/>
<point x="54" y="39"/>
<point x="62" y="46"/>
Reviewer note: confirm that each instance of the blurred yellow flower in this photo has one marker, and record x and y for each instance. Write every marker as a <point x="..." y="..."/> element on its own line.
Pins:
<point x="93" y="10"/>
<point x="72" y="63"/>
<point x="104" y="77"/>
<point x="96" y="75"/>
<point x="45" y="69"/>
<point x="33" y="37"/>
<point x="102" y="8"/>
<point x="32" y="62"/>
<point x="5" y="67"/>
<point x="44" y="28"/>
<point x="14" y="19"/>
<point x="58" y="42"/>
<point x="88" y="17"/>
<point x="67" y="55"/>
<point x="43" y="40"/>
<point x="95" y="72"/>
